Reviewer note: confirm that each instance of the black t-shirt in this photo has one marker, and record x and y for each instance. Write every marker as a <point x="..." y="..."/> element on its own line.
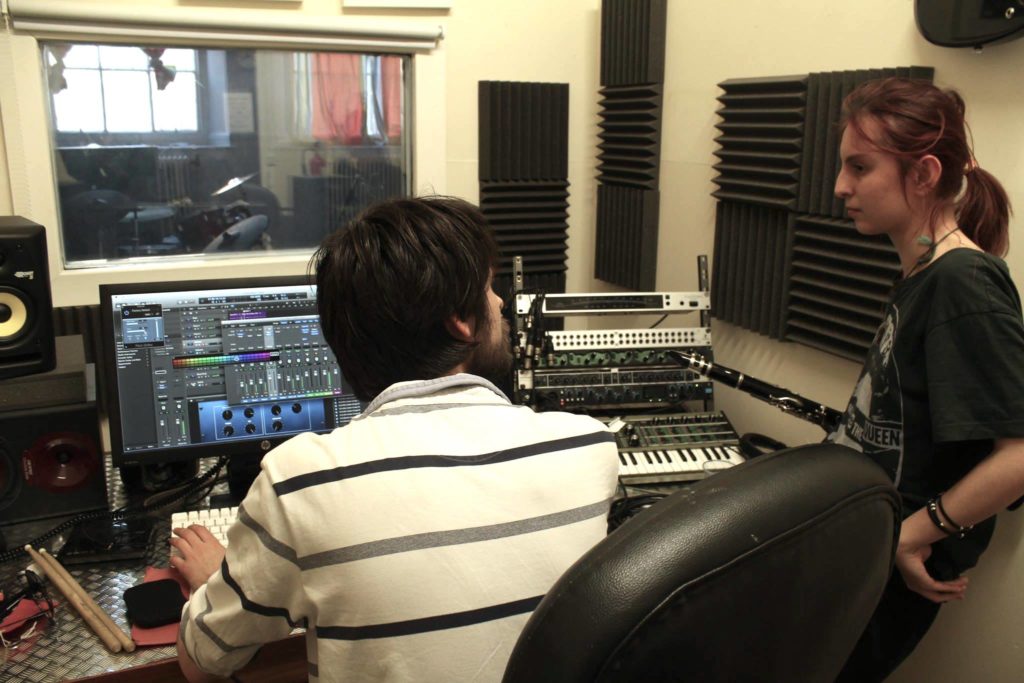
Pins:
<point x="943" y="379"/>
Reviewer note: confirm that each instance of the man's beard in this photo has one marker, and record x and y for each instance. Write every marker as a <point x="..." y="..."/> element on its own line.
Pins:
<point x="493" y="359"/>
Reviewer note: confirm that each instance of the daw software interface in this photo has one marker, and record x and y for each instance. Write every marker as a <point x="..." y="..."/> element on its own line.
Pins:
<point x="207" y="368"/>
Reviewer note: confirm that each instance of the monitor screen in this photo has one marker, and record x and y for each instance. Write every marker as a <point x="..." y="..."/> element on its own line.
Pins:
<point x="210" y="368"/>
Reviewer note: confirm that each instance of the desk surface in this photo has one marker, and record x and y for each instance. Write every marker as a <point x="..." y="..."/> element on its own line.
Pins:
<point x="67" y="648"/>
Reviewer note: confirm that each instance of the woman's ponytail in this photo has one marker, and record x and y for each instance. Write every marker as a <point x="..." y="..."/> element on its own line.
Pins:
<point x="983" y="211"/>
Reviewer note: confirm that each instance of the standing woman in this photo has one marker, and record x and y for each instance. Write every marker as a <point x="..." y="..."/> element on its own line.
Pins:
<point x="940" y="403"/>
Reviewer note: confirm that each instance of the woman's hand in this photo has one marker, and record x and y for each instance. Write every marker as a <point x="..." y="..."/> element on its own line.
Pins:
<point x="994" y="483"/>
<point x="916" y="537"/>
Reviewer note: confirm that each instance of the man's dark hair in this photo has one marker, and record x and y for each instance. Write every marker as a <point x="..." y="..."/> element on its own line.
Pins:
<point x="387" y="282"/>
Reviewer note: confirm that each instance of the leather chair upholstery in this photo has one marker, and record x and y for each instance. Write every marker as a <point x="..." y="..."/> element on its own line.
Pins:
<point x="768" y="571"/>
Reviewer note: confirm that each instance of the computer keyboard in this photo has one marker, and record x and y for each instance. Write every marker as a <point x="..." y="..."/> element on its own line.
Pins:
<point x="217" y="520"/>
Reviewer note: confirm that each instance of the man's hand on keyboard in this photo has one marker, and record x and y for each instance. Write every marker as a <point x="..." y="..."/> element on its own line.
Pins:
<point x="199" y="554"/>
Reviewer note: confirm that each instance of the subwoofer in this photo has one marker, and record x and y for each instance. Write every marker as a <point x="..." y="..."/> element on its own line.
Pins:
<point x="51" y="463"/>
<point x="26" y="310"/>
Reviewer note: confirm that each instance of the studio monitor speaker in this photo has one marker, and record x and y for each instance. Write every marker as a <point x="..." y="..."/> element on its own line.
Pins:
<point x="26" y="311"/>
<point x="51" y="463"/>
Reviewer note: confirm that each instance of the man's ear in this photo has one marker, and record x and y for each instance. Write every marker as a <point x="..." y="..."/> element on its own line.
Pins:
<point x="458" y="328"/>
<point x="926" y="173"/>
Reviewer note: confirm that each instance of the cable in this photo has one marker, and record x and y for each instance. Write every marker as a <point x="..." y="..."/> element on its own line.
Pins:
<point x="124" y="512"/>
<point x="536" y="332"/>
<point x="625" y="508"/>
<point x="659" y="321"/>
<point x="533" y="328"/>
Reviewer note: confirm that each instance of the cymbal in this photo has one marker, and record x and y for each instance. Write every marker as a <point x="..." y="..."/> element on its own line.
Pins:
<point x="233" y="183"/>
<point x="103" y="200"/>
<point x="144" y="214"/>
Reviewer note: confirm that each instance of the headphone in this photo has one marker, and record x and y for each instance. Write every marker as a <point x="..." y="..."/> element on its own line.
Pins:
<point x="753" y="445"/>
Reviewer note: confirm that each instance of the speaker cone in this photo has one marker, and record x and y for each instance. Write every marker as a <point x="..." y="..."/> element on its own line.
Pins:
<point x="13" y="314"/>
<point x="60" y="462"/>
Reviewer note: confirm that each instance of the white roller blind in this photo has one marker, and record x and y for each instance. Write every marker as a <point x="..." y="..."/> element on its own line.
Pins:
<point x="68" y="20"/>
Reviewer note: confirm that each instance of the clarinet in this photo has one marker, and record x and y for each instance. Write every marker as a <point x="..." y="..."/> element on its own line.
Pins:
<point x="783" y="399"/>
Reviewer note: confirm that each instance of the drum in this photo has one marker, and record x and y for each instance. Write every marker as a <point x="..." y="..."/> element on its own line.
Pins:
<point x="203" y="226"/>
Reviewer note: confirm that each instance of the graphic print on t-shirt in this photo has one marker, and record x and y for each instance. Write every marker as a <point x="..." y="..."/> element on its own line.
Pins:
<point x="873" y="422"/>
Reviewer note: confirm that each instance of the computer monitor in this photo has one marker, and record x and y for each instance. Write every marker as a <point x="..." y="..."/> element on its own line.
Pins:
<point x="216" y="367"/>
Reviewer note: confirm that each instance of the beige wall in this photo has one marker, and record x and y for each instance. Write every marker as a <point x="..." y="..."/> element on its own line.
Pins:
<point x="708" y="42"/>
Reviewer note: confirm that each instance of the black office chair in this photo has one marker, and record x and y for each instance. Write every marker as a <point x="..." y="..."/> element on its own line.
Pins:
<point x="766" y="572"/>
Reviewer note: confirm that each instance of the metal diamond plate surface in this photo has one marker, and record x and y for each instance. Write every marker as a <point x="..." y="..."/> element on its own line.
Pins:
<point x="67" y="648"/>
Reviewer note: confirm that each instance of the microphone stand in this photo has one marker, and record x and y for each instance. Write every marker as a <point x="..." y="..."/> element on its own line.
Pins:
<point x="783" y="399"/>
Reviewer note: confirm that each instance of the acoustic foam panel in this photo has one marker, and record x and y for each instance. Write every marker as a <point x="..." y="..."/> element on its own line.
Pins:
<point x="839" y="282"/>
<point x="630" y="136"/>
<point x="629" y="157"/>
<point x="779" y="152"/>
<point x="762" y="130"/>
<point x="524" y="187"/>
<point x="524" y="131"/>
<point x="627" y="236"/>
<point x="748" y="277"/>
<point x="632" y="42"/>
<point x="529" y="219"/>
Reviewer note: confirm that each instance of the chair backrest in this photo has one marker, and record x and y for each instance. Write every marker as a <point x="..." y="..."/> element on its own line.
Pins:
<point x="768" y="571"/>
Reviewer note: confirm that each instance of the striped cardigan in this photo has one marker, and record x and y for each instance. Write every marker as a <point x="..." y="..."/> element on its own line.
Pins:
<point x="413" y="543"/>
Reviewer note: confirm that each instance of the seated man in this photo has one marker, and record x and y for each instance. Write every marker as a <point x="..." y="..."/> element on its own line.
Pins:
<point x="413" y="543"/>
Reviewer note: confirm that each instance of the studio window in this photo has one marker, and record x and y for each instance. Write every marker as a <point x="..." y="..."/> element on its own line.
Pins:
<point x="169" y="152"/>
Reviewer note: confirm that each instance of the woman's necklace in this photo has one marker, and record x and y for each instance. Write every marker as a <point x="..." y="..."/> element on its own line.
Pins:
<point x="929" y="254"/>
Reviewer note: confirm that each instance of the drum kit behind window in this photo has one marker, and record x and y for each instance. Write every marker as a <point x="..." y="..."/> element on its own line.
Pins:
<point x="108" y="214"/>
<point x="229" y="227"/>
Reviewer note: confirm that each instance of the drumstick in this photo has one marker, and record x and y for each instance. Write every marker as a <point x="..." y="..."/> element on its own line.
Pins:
<point x="127" y="644"/>
<point x="90" y="617"/>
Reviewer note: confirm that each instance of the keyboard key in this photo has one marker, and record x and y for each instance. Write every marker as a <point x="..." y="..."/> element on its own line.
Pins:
<point x="216" y="520"/>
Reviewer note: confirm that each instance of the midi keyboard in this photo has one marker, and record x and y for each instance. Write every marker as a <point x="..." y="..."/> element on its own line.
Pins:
<point x="676" y="447"/>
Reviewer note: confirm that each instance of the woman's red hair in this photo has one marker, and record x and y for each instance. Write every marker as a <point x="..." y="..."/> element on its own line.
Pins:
<point x="915" y="118"/>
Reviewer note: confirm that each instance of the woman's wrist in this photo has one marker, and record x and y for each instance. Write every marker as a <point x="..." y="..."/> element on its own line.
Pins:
<point x="943" y="521"/>
<point x="918" y="531"/>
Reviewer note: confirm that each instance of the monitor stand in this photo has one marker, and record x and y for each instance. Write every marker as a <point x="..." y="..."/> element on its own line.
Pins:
<point x="242" y="471"/>
<point x="157" y="476"/>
